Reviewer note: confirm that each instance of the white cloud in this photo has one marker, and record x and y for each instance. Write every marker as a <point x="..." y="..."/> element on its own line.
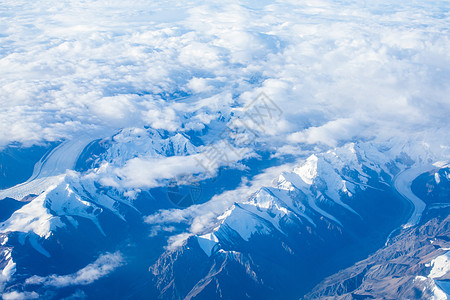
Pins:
<point x="330" y="133"/>
<point x="20" y="295"/>
<point x="149" y="172"/>
<point x="116" y="109"/>
<point x="199" y="85"/>
<point x="338" y="71"/>
<point x="68" y="69"/>
<point x="104" y="265"/>
<point x="177" y="241"/>
<point x="203" y="217"/>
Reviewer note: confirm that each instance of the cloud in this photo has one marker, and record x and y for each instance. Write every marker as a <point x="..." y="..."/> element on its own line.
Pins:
<point x="367" y="70"/>
<point x="177" y="241"/>
<point x="346" y="129"/>
<point x="199" y="85"/>
<point x="68" y="70"/>
<point x="104" y="265"/>
<point x="152" y="171"/>
<point x="203" y="217"/>
<point x="20" y="295"/>
<point x="119" y="109"/>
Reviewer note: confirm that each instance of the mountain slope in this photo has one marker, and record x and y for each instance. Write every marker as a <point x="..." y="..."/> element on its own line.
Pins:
<point x="413" y="264"/>
<point x="329" y="212"/>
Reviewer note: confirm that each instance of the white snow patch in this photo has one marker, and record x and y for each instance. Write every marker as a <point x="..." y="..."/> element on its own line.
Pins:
<point x="308" y="171"/>
<point x="33" y="217"/>
<point x="207" y="242"/>
<point x="441" y="266"/>
<point x="437" y="178"/>
<point x="245" y="223"/>
<point x="8" y="271"/>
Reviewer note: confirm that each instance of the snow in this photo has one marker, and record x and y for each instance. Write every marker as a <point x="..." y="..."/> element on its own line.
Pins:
<point x="313" y="204"/>
<point x="130" y="143"/>
<point x="268" y="207"/>
<point x="440" y="266"/>
<point x="442" y="289"/>
<point x="287" y="204"/>
<point x="432" y="285"/>
<point x="308" y="171"/>
<point x="402" y="183"/>
<point x="71" y="196"/>
<point x="50" y="170"/>
<point x="35" y="244"/>
<point x="441" y="164"/>
<point x="291" y="181"/>
<point x="437" y="178"/>
<point x="245" y="223"/>
<point x="261" y="214"/>
<point x="326" y="172"/>
<point x="33" y="217"/>
<point x="8" y="271"/>
<point x="207" y="242"/>
<point x="325" y="176"/>
<point x="62" y="192"/>
<point x="353" y="71"/>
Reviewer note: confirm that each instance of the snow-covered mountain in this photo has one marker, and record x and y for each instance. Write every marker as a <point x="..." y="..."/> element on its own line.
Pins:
<point x="333" y="208"/>
<point x="414" y="262"/>
<point x="224" y="149"/>
<point x="324" y="185"/>
<point x="323" y="213"/>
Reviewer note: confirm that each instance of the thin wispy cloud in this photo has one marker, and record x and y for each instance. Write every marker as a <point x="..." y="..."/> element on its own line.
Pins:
<point x="104" y="265"/>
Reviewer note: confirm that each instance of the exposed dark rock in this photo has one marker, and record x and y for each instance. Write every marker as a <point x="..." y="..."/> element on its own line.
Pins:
<point x="391" y="272"/>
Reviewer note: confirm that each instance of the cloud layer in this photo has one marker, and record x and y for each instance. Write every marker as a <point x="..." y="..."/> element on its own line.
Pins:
<point x="339" y="71"/>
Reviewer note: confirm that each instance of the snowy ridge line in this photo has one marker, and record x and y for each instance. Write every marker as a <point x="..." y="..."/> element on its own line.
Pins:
<point x="327" y="173"/>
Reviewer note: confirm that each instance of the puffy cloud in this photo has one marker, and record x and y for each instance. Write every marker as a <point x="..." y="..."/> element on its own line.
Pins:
<point x="67" y="70"/>
<point x="199" y="85"/>
<point x="116" y="109"/>
<point x="20" y="295"/>
<point x="330" y="133"/>
<point x="104" y="265"/>
<point x="338" y="71"/>
<point x="177" y="241"/>
<point x="149" y="172"/>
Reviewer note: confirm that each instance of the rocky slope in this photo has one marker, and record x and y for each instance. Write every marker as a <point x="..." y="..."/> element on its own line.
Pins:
<point x="414" y="264"/>
<point x="332" y="210"/>
<point x="401" y="270"/>
<point x="320" y="216"/>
